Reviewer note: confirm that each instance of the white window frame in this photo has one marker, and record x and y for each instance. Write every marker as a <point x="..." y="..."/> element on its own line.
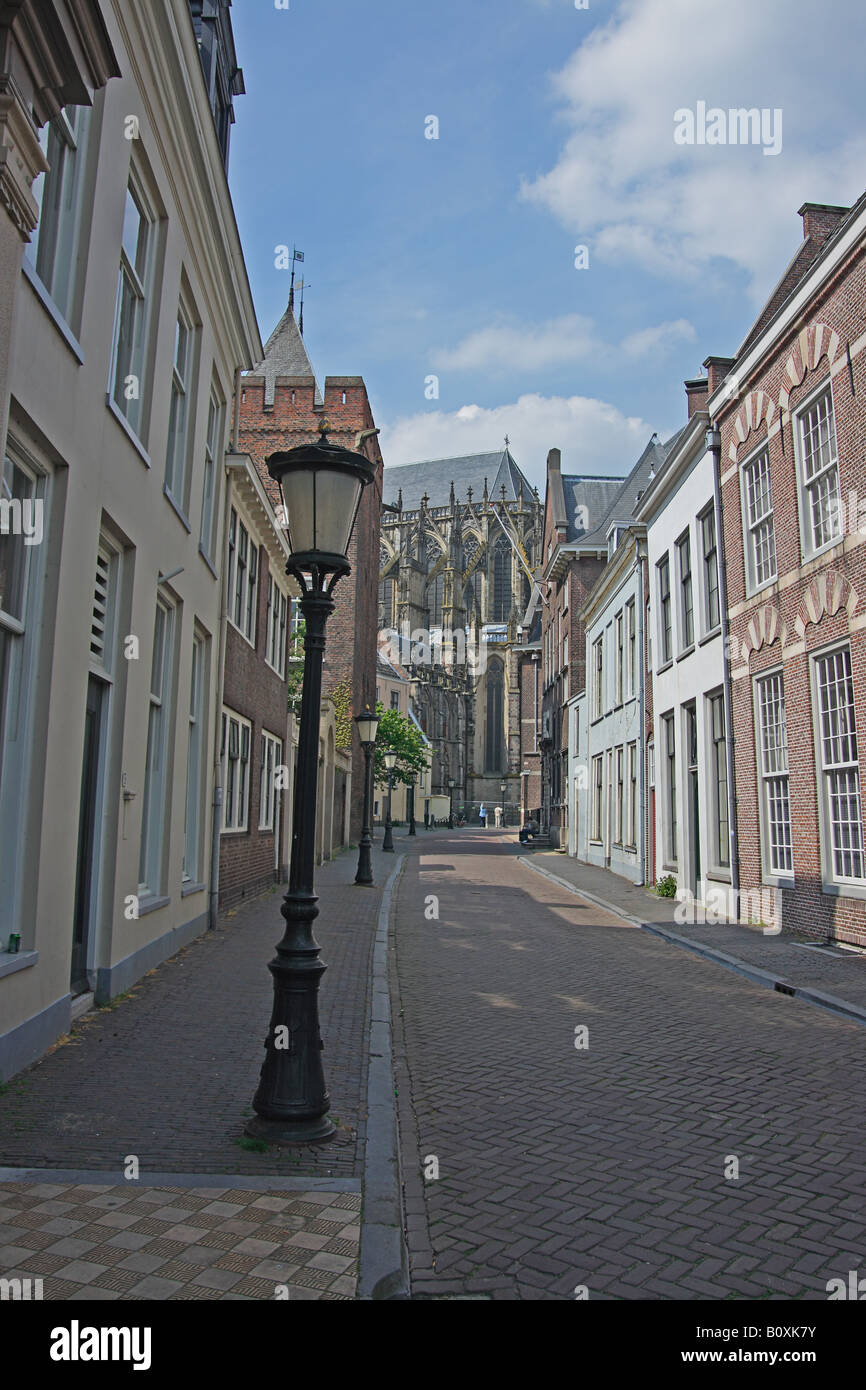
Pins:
<point x="631" y="647"/>
<point x="805" y="487"/>
<point x="141" y="279"/>
<point x="196" y="769"/>
<point x="276" y="639"/>
<point x="242" y="582"/>
<point x="271" y="751"/>
<point x="773" y="777"/>
<point x="836" y="774"/>
<point x="598" y="677"/>
<point x="619" y="634"/>
<point x="160" y="734"/>
<point x="632" y="784"/>
<point x="236" y="746"/>
<point x="183" y="393"/>
<point x="710" y="560"/>
<point x="670" y="790"/>
<point x="57" y="253"/>
<point x="758" y="517"/>
<point x="687" y="592"/>
<point x="666" y="630"/>
<point x="619" y="799"/>
<point x="717" y="773"/>
<point x="597" y="827"/>
<point x="213" y="452"/>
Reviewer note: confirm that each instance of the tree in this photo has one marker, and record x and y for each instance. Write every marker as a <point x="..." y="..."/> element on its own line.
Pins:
<point x="398" y="732"/>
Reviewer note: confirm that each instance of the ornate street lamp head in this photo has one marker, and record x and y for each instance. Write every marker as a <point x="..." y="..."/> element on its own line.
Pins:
<point x="390" y="759"/>
<point x="367" y="723"/>
<point x="321" y="486"/>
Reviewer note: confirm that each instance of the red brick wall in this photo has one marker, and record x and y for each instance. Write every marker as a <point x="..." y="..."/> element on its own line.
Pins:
<point x="770" y="626"/>
<point x="350" y="652"/>
<point x="253" y="689"/>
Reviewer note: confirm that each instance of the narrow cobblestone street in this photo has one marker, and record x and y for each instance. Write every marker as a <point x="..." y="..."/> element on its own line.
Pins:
<point x="604" y="1166"/>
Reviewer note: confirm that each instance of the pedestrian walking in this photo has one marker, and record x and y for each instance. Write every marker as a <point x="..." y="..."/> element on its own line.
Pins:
<point x="483" y="816"/>
<point x="497" y="816"/>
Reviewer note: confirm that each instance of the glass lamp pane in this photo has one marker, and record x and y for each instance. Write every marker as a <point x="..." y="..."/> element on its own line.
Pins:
<point x="299" y="498"/>
<point x="337" y="494"/>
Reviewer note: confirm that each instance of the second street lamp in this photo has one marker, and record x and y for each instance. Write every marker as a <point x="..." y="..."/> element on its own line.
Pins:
<point x="390" y="764"/>
<point x="321" y="486"/>
<point x="410" y="796"/>
<point x="367" y="724"/>
<point x="451" y="785"/>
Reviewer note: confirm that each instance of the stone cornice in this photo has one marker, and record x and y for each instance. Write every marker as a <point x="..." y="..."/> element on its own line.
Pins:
<point x="21" y="158"/>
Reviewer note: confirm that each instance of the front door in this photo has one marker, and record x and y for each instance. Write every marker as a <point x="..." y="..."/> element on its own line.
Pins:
<point x="89" y="840"/>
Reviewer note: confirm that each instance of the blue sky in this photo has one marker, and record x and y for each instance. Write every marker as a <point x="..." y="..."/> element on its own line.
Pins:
<point x="455" y="256"/>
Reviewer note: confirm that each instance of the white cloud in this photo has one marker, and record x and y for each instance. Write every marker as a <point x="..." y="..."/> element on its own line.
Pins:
<point x="622" y="182"/>
<point x="594" y="436"/>
<point x="657" y="340"/>
<point x="505" y="346"/>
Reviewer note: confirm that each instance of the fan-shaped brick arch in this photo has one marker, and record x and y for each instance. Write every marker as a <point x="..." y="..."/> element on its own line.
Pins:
<point x="757" y="410"/>
<point x="824" y="597"/>
<point x="813" y="343"/>
<point x="765" y="627"/>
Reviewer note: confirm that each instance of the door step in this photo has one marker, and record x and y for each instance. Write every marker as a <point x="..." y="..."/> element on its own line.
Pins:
<point x="81" y="1004"/>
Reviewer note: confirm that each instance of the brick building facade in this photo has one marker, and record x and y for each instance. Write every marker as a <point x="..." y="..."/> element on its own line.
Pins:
<point x="790" y="411"/>
<point x="280" y="406"/>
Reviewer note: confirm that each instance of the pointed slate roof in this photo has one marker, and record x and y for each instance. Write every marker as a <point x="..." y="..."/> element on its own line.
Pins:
<point x="435" y="476"/>
<point x="285" y="355"/>
<point x="611" y="499"/>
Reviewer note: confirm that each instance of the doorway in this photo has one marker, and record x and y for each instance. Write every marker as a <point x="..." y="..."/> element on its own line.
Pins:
<point x="89" y="841"/>
<point x="693" y="804"/>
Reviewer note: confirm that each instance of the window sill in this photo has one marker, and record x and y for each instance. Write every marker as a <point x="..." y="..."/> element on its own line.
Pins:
<point x="127" y="428"/>
<point x="51" y="309"/>
<point x="761" y="588"/>
<point x="718" y="875"/>
<point x="836" y="543"/>
<point x="235" y="830"/>
<point x="266" y="830"/>
<point x="845" y="890"/>
<point x="709" y="636"/>
<point x="239" y="630"/>
<point x="776" y="881"/>
<point x="176" y="507"/>
<point x="148" y="905"/>
<point x="687" y="651"/>
<point x="211" y="566"/>
<point x="18" y="960"/>
<point x="188" y="889"/>
<point x="666" y="666"/>
<point x="281" y="675"/>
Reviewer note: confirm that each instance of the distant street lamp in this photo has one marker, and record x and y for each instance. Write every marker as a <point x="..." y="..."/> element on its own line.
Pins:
<point x="451" y="786"/>
<point x="410" y="796"/>
<point x="503" y="787"/>
<point x="390" y="764"/>
<point x="321" y="486"/>
<point x="367" y="725"/>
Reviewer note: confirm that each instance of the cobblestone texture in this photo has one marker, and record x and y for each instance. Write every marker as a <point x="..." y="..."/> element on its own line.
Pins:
<point x="604" y="1167"/>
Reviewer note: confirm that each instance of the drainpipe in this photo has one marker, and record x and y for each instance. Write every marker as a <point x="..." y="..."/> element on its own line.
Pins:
<point x="217" y="805"/>
<point x="714" y="445"/>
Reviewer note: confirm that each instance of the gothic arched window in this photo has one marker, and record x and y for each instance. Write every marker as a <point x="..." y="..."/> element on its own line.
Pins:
<point x="434" y="600"/>
<point x="494" y="752"/>
<point x="501" y="582"/>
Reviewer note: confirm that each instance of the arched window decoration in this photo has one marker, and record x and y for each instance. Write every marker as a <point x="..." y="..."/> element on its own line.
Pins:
<point x="434" y="600"/>
<point x="501" y="582"/>
<point x="472" y="597"/>
<point x="494" y="755"/>
<point x="387" y="612"/>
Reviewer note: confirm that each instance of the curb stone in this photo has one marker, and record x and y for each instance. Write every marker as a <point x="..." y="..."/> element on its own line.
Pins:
<point x="853" y="1012"/>
<point x="384" y="1262"/>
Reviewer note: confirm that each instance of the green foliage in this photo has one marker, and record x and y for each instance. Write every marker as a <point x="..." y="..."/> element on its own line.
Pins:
<point x="341" y="697"/>
<point x="667" y="887"/>
<point x="398" y="732"/>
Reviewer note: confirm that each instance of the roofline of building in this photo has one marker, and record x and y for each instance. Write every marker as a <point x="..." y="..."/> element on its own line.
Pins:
<point x="618" y="568"/>
<point x="681" y="457"/>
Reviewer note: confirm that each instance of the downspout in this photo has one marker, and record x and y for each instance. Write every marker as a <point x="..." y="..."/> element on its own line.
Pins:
<point x="714" y="444"/>
<point x="217" y="806"/>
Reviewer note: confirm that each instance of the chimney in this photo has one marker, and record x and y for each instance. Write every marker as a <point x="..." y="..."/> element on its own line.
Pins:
<point x="821" y="220"/>
<point x="717" y="370"/>
<point x="554" y="461"/>
<point x="697" y="391"/>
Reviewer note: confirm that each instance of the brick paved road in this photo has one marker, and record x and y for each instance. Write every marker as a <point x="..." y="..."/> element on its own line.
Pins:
<point x="170" y="1073"/>
<point x="605" y="1167"/>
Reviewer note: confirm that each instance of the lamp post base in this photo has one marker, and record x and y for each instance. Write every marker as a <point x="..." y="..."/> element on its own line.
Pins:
<point x="316" y="1131"/>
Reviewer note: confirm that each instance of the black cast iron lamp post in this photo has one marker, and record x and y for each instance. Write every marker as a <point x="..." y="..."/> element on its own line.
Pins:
<point x="321" y="486"/>
<point x="390" y="764"/>
<point x="450" y="803"/>
<point x="410" y="793"/>
<point x="367" y="724"/>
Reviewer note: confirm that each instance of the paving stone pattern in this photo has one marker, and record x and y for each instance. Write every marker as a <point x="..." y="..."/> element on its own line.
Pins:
<point x="103" y="1242"/>
<point x="170" y="1073"/>
<point x="605" y="1167"/>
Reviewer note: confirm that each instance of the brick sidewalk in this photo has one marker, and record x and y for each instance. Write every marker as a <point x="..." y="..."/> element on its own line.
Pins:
<point x="168" y="1074"/>
<point x="799" y="961"/>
